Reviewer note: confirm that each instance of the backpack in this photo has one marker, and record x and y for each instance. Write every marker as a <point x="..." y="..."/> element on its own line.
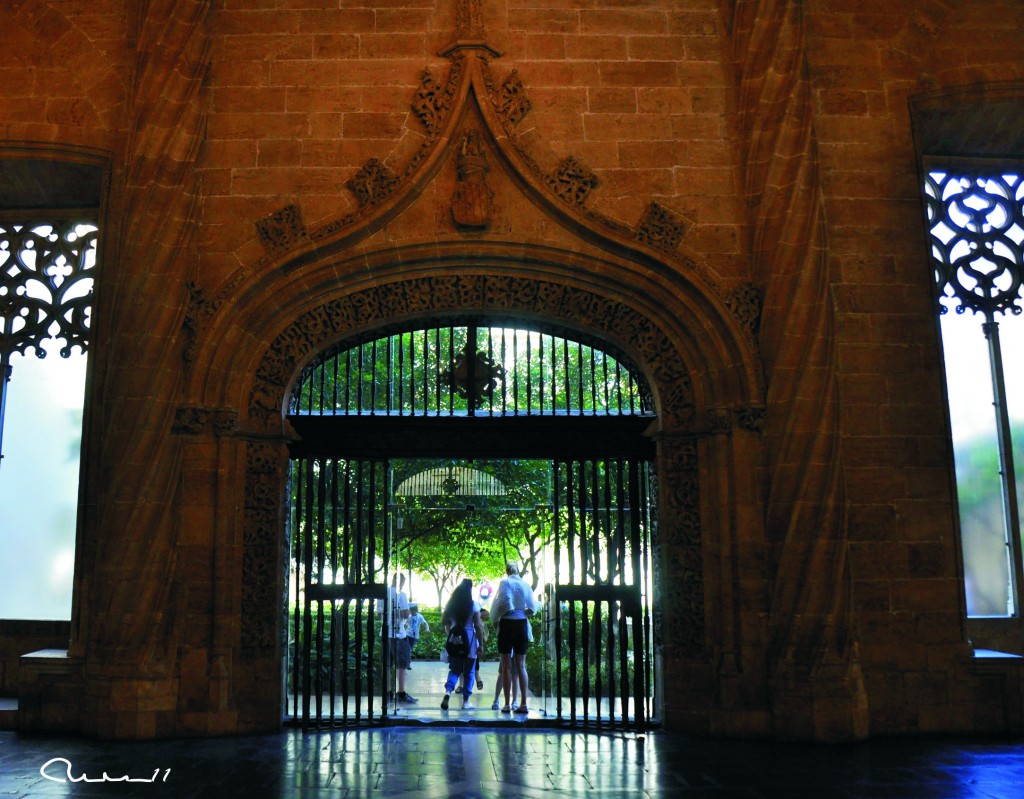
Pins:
<point x="457" y="645"/>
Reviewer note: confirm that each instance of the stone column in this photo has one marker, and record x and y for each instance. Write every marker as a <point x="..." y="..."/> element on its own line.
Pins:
<point x="136" y="593"/>
<point x="816" y="683"/>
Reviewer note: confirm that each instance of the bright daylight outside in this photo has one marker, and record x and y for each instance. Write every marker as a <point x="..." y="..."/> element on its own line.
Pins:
<point x="977" y="228"/>
<point x="46" y="270"/>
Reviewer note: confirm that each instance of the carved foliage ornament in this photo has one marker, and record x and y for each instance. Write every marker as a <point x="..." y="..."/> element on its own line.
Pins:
<point x="572" y="181"/>
<point x="431" y="103"/>
<point x="282" y="229"/>
<point x="372" y="184"/>
<point x="469" y="17"/>
<point x="661" y="228"/>
<point x="745" y="303"/>
<point x="511" y="100"/>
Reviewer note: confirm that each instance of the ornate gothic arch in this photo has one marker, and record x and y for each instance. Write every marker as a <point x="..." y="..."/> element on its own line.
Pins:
<point x="439" y="293"/>
<point x="639" y="287"/>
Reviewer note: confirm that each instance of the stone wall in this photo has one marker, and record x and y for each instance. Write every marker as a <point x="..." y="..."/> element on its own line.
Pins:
<point x="743" y="173"/>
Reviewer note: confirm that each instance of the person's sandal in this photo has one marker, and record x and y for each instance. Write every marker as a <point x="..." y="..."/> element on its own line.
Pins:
<point x="506" y="709"/>
<point x="522" y="709"/>
<point x="444" y="702"/>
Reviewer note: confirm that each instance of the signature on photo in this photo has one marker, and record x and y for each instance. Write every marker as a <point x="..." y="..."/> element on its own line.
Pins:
<point x="64" y="775"/>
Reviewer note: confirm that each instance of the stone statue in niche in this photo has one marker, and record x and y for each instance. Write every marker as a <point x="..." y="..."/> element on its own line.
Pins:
<point x="472" y="201"/>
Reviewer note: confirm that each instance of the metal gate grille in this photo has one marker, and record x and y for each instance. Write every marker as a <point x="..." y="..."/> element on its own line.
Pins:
<point x="598" y="621"/>
<point x="472" y="390"/>
<point x="340" y="543"/>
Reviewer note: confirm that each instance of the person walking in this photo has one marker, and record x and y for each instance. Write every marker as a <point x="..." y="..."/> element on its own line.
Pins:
<point x="416" y="623"/>
<point x="511" y="610"/>
<point x="461" y="616"/>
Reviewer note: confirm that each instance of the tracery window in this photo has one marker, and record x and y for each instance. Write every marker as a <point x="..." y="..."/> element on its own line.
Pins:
<point x="46" y="279"/>
<point x="975" y="217"/>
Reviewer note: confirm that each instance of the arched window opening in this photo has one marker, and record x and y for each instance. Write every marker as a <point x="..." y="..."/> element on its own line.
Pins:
<point x="46" y="280"/>
<point x="975" y="217"/>
<point x="472" y="369"/>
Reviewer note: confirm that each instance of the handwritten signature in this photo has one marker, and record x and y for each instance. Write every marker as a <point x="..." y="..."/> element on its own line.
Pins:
<point x="66" y="775"/>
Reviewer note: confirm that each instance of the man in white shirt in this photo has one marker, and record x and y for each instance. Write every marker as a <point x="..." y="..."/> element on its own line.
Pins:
<point x="511" y="610"/>
<point x="395" y="629"/>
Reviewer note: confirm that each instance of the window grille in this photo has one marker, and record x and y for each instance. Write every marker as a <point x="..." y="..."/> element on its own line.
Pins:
<point x="46" y="279"/>
<point x="975" y="217"/>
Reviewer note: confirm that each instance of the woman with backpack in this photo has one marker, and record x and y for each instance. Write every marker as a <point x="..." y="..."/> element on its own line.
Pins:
<point x="465" y="633"/>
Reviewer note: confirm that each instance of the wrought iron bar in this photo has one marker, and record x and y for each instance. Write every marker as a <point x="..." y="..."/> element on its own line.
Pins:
<point x="1011" y="513"/>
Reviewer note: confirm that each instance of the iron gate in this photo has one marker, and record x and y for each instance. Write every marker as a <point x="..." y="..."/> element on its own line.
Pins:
<point x="472" y="392"/>
<point x="598" y="621"/>
<point x="341" y="551"/>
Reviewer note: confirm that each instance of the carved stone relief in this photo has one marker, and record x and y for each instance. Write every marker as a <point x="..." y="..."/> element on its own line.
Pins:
<point x="431" y="103"/>
<point x="192" y="420"/>
<point x="262" y="555"/>
<point x="661" y="228"/>
<point x="679" y="536"/>
<point x="511" y="100"/>
<point x="282" y="229"/>
<point x="751" y="417"/>
<point x="473" y="199"/>
<point x="373" y="183"/>
<point x="745" y="303"/>
<point x="572" y="181"/>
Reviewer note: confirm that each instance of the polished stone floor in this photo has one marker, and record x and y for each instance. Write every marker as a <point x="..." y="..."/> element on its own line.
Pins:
<point x="510" y="763"/>
<point x="436" y="754"/>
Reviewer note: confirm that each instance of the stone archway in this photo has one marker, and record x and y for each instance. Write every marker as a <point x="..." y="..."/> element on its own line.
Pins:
<point x="679" y="542"/>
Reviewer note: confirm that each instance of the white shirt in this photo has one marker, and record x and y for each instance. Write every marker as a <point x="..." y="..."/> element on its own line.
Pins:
<point x="512" y="600"/>
<point x="397" y="601"/>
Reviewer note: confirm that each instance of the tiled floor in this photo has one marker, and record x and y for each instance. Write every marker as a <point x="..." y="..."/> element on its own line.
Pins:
<point x="421" y="763"/>
<point x="439" y="754"/>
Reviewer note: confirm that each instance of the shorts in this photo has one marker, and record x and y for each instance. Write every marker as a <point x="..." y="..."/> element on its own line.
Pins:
<point x="401" y="652"/>
<point x="512" y="636"/>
